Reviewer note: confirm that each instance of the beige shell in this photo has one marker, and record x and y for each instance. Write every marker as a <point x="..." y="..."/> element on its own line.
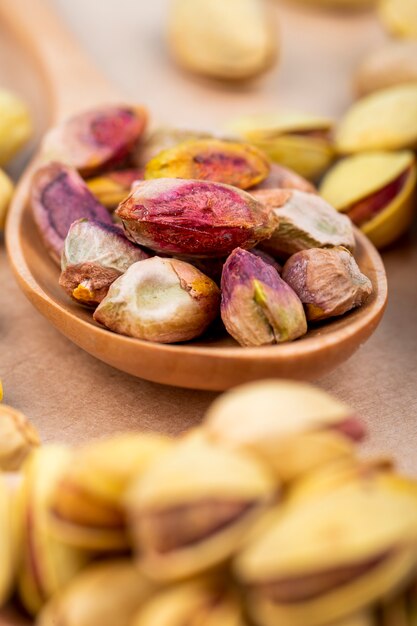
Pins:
<point x="8" y="551"/>
<point x="393" y="64"/>
<point x="18" y="437"/>
<point x="400" y="17"/>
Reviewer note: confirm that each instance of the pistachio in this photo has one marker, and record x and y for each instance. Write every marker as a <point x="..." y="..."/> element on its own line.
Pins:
<point x="194" y="217"/>
<point x="94" y="255"/>
<point x="163" y="300"/>
<point x="113" y="187"/>
<point x="305" y="221"/>
<point x="258" y="307"/>
<point x="86" y="506"/>
<point x="18" y="438"/>
<point x="193" y="509"/>
<point x="320" y="560"/>
<point x="384" y="120"/>
<point x="376" y="191"/>
<point x="393" y="64"/>
<point x="299" y="142"/>
<point x="399" y="16"/>
<point x="341" y="4"/>
<point x="327" y="281"/>
<point x="59" y="197"/>
<point x="6" y="193"/>
<point x="15" y="125"/>
<point x="105" y="594"/>
<point x="96" y="139"/>
<point x="7" y="543"/>
<point x="281" y="177"/>
<point x="228" y="41"/>
<point x="232" y="163"/>
<point x="163" y="138"/>
<point x="292" y="427"/>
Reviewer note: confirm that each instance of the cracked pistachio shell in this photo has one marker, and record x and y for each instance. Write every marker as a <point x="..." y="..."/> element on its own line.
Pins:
<point x="400" y="17"/>
<point x="384" y="120"/>
<point x="59" y="197"/>
<point x="257" y="307"/>
<point x="18" y="437"/>
<point x="6" y="193"/>
<point x="15" y="125"/>
<point x="376" y="190"/>
<point x="160" y="299"/>
<point x="166" y="137"/>
<point x="96" y="139"/>
<point x="194" y="217"/>
<point x="105" y="594"/>
<point x="318" y="561"/>
<point x="293" y="427"/>
<point x="281" y="177"/>
<point x="393" y="64"/>
<point x="86" y="506"/>
<point x="232" y="41"/>
<point x="7" y="542"/>
<point x="47" y="564"/>
<point x="94" y="255"/>
<point x="328" y="281"/>
<point x="231" y="163"/>
<point x="112" y="187"/>
<point x="300" y="142"/>
<point x="305" y="221"/>
<point x="192" y="510"/>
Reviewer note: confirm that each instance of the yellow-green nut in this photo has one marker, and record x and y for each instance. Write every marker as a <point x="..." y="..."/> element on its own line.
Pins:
<point x="393" y="64"/>
<point x="8" y="543"/>
<point x="292" y="427"/>
<point x="18" y="437"/>
<point x="384" y="120"/>
<point x="15" y="125"/>
<point x="319" y="561"/>
<point x="86" y="506"/>
<point x="111" y="188"/>
<point x="376" y="190"/>
<point x="6" y="193"/>
<point x="302" y="143"/>
<point x="400" y="17"/>
<point x="193" y="509"/>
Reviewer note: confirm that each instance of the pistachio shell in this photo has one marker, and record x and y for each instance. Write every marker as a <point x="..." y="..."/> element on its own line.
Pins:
<point x="7" y="543"/>
<point x="6" y="193"/>
<point x="18" y="437"/>
<point x="15" y="125"/>
<point x="393" y="64"/>
<point x="385" y="120"/>
<point x="399" y="16"/>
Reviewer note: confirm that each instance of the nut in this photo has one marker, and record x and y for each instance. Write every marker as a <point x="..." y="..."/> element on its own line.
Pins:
<point x="15" y="125"/>
<point x="258" y="308"/>
<point x="163" y="300"/>
<point x="341" y="4"/>
<point x="282" y="178"/>
<point x="163" y="138"/>
<point x="18" y="438"/>
<point x="399" y="16"/>
<point x="376" y="191"/>
<point x="94" y="255"/>
<point x="6" y="193"/>
<point x="219" y="161"/>
<point x="96" y="139"/>
<point x="7" y="543"/>
<point x="113" y="187"/>
<point x="194" y="217"/>
<point x="59" y="197"/>
<point x="393" y="64"/>
<point x="193" y="509"/>
<point x="305" y="221"/>
<point x="233" y="42"/>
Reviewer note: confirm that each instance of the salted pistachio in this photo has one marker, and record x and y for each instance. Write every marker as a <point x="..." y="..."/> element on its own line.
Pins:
<point x="192" y="510"/>
<point x="320" y="560"/>
<point x="257" y="307"/>
<point x="105" y="594"/>
<point x="293" y="427"/>
<point x="47" y="564"/>
<point x="300" y="142"/>
<point x="15" y="125"/>
<point x="232" y="41"/>
<point x="6" y="193"/>
<point x="59" y="197"/>
<point x="86" y="505"/>
<point x="166" y="137"/>
<point x="8" y="559"/>
<point x="96" y="139"/>
<point x="18" y="437"/>
<point x="305" y="221"/>
<point x="376" y="190"/>
<point x="231" y="163"/>
<point x="281" y="177"/>
<point x="94" y="255"/>
<point x="393" y="64"/>
<point x="111" y="188"/>
<point x="384" y="120"/>
<point x="400" y="17"/>
<point x="194" y="217"/>
<point x="160" y="299"/>
<point x="328" y="281"/>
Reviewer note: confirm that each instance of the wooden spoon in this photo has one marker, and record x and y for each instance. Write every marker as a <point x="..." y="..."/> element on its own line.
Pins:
<point x="210" y="363"/>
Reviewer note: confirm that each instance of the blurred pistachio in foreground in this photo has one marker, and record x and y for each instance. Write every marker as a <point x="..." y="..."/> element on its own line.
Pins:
<point x="393" y="64"/>
<point x="8" y="543"/>
<point x="15" y="125"/>
<point x="6" y="193"/>
<point x="400" y="17"/>
<point x="231" y="40"/>
<point x="340" y="4"/>
<point x="18" y="437"/>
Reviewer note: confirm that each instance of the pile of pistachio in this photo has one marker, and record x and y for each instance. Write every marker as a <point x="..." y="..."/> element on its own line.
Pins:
<point x="263" y="515"/>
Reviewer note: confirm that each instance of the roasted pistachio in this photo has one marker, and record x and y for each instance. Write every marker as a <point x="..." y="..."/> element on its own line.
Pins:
<point x="59" y="197"/>
<point x="193" y="509"/>
<point x="400" y="17"/>
<point x="113" y="187"/>
<point x="230" y="41"/>
<point x="305" y="221"/>
<point x="232" y="163"/>
<point x="18" y="437"/>
<point x="393" y="64"/>
<point x="7" y="543"/>
<point x="96" y="139"/>
<point x="94" y="255"/>
<point x="258" y="307"/>
<point x="163" y="300"/>
<point x="327" y="281"/>
<point x="384" y="120"/>
<point x="6" y="192"/>
<point x="194" y="217"/>
<point x="166" y="137"/>
<point x="299" y="142"/>
<point x="86" y="506"/>
<point x="15" y="125"/>
<point x="293" y="427"/>
<point x="281" y="177"/>
<point x="376" y="190"/>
